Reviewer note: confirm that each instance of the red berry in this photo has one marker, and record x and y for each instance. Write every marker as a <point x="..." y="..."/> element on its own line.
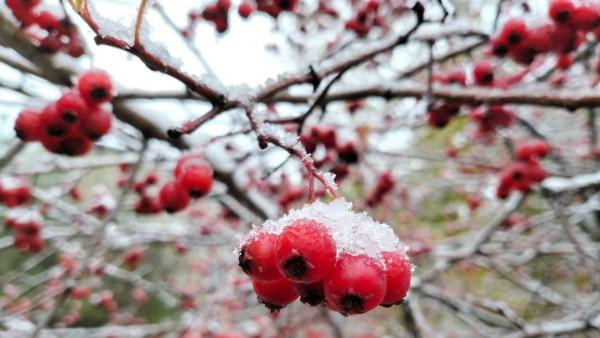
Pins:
<point x="561" y="11"/>
<point x="355" y="285"/>
<point x="586" y="17"/>
<point x="74" y="144"/>
<point x="325" y="133"/>
<point x="27" y="125"/>
<point x="276" y="295"/>
<point x="513" y="32"/>
<point x="564" y="62"/>
<point x="52" y="43"/>
<point x="47" y="21"/>
<point x="96" y="123"/>
<point x="173" y="198"/>
<point x="483" y="72"/>
<point x="257" y="258"/>
<point x="397" y="273"/>
<point x="305" y="251"/>
<point x="456" y="77"/>
<point x="148" y="205"/>
<point x="523" y="152"/>
<point x="540" y="148"/>
<point x="52" y="122"/>
<point x="195" y="177"/>
<point x="71" y="107"/>
<point x="95" y="87"/>
<point x="245" y="9"/>
<point x="310" y="294"/>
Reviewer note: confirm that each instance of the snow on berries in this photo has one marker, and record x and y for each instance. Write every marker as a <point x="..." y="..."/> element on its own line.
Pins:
<point x="327" y="255"/>
<point x="71" y="124"/>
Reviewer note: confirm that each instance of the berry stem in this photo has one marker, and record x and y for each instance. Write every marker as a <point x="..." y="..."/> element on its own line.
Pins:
<point x="138" y="24"/>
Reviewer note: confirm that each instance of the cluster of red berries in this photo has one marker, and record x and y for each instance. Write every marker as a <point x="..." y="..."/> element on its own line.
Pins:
<point x="217" y="13"/>
<point x="306" y="259"/>
<point x="490" y="118"/>
<point x="61" y="34"/>
<point x="271" y="7"/>
<point x="365" y="19"/>
<point x="70" y="125"/>
<point x="323" y="134"/>
<point x="440" y="113"/>
<point x="562" y="36"/>
<point x="14" y="192"/>
<point x="526" y="171"/>
<point x="385" y="184"/>
<point x="28" y="228"/>
<point x="193" y="179"/>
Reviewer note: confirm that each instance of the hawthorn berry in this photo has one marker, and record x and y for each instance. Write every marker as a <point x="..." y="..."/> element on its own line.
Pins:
<point x="74" y="144"/>
<point x="52" y="122"/>
<point x="96" y="123"/>
<point x="513" y="32"/>
<point x="71" y="107"/>
<point x="173" y="197"/>
<point x="257" y="258"/>
<point x="586" y="17"/>
<point x="483" y="72"/>
<point x="355" y="285"/>
<point x="276" y="295"/>
<point x="245" y="9"/>
<point x="148" y="205"/>
<point x="561" y="11"/>
<point x="195" y="177"/>
<point x="305" y="251"/>
<point x="95" y="87"/>
<point x="28" y="125"/>
<point x="80" y="292"/>
<point x="397" y="277"/>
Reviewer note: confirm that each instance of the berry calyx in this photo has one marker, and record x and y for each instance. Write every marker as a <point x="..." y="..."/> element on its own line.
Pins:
<point x="310" y="294"/>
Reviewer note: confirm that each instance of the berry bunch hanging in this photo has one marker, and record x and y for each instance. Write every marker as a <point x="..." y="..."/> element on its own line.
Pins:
<point x="193" y="179"/>
<point x="526" y="171"/>
<point x="71" y="124"/>
<point x="570" y="22"/>
<point x="326" y="255"/>
<point x="14" y="192"/>
<point x="27" y="228"/>
<point x="60" y="34"/>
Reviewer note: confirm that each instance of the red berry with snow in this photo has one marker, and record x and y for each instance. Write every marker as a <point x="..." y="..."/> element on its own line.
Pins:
<point x="257" y="258"/>
<point x="305" y="251"/>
